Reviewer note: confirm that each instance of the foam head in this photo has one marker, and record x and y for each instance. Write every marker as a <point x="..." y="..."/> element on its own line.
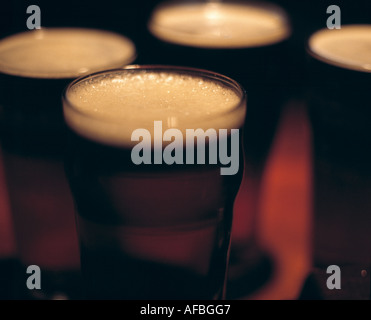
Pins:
<point x="63" y="52"/>
<point x="215" y="24"/>
<point x="348" y="47"/>
<point x="107" y="107"/>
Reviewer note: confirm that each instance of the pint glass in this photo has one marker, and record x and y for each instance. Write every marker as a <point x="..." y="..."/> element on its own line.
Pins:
<point x="245" y="40"/>
<point x="153" y="191"/>
<point x="249" y="42"/>
<point x="340" y="110"/>
<point x="35" y="67"/>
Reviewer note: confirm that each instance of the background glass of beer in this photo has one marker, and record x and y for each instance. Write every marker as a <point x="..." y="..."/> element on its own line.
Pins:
<point x="248" y="41"/>
<point x="152" y="231"/>
<point x="35" y="67"/>
<point x="245" y="40"/>
<point x="339" y="66"/>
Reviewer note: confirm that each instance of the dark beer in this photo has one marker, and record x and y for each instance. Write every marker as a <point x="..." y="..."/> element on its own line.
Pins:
<point x="152" y="230"/>
<point x="35" y="67"/>
<point x="339" y="105"/>
<point x="245" y="40"/>
<point x="248" y="41"/>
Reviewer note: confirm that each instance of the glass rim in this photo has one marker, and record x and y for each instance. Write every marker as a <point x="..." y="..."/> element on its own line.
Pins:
<point x="332" y="62"/>
<point x="256" y="3"/>
<point x="69" y="75"/>
<point x="203" y="73"/>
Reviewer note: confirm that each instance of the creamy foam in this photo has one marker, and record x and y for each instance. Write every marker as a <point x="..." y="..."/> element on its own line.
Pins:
<point x="64" y="52"/>
<point x="219" y="24"/>
<point x="348" y="47"/>
<point x="108" y="107"/>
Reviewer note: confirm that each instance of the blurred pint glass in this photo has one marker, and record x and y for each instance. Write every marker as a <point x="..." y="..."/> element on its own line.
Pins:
<point x="249" y="42"/>
<point x="35" y="67"/>
<point x="157" y="228"/>
<point x="245" y="40"/>
<point x="340" y="109"/>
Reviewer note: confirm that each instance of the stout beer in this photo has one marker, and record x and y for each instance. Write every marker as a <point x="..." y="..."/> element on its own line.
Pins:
<point x="248" y="41"/>
<point x="340" y="111"/>
<point x="245" y="40"/>
<point x="35" y="67"/>
<point x="153" y="229"/>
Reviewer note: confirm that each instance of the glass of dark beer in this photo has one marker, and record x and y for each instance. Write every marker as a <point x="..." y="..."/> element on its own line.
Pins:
<point x="339" y="101"/>
<point x="154" y="197"/>
<point x="248" y="41"/>
<point x="35" y="67"/>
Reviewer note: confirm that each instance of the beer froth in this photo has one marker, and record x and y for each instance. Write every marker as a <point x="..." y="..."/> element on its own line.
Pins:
<point x="108" y="107"/>
<point x="348" y="47"/>
<point x="220" y="25"/>
<point x="63" y="52"/>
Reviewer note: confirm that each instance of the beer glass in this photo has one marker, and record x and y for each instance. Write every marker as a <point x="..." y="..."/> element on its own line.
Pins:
<point x="245" y="40"/>
<point x="339" y="102"/>
<point x="250" y="42"/>
<point x="35" y="67"/>
<point x="153" y="191"/>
